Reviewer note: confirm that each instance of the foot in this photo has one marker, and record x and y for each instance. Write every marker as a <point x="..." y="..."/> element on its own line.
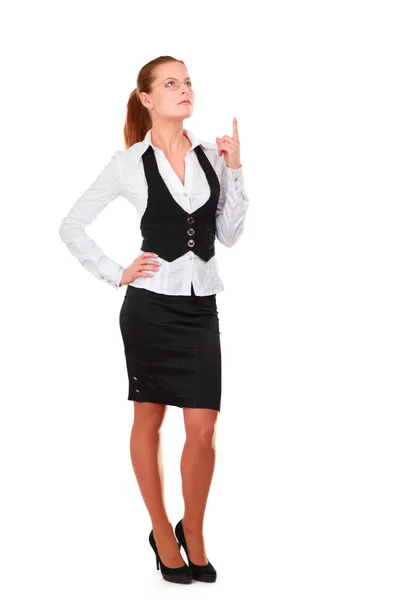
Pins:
<point x="195" y="544"/>
<point x="167" y="546"/>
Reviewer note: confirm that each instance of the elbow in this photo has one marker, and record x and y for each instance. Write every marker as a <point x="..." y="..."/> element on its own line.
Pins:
<point x="230" y="242"/>
<point x="230" y="238"/>
<point x="70" y="228"/>
<point x="227" y="241"/>
<point x="65" y="229"/>
<point x="62" y="229"/>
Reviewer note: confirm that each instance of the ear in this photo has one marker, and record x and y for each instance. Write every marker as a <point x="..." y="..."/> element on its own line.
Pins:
<point x="144" y="99"/>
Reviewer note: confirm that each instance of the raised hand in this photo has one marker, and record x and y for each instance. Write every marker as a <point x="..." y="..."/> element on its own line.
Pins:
<point x="230" y="147"/>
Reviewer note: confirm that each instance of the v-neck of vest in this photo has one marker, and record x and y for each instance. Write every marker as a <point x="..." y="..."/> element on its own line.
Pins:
<point x="198" y="149"/>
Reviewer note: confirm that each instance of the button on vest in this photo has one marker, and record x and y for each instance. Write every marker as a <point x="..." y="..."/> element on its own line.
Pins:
<point x="168" y="229"/>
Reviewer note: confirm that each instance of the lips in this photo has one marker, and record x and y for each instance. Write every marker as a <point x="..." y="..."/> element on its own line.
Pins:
<point x="185" y="102"/>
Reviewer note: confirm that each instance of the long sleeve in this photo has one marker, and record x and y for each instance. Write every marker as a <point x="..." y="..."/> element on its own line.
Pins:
<point x="106" y="187"/>
<point x="232" y="206"/>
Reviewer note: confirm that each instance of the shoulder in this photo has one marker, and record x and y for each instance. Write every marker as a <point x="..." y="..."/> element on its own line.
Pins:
<point x="130" y="166"/>
<point x="130" y="158"/>
<point x="134" y="151"/>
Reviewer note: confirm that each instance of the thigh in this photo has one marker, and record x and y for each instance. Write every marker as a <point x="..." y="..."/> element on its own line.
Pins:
<point x="133" y="320"/>
<point x="149" y="414"/>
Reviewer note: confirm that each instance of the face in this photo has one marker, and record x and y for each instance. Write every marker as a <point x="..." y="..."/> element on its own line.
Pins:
<point x="165" y="100"/>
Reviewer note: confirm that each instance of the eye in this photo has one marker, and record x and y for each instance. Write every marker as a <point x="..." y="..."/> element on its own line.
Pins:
<point x="170" y="81"/>
<point x="189" y="84"/>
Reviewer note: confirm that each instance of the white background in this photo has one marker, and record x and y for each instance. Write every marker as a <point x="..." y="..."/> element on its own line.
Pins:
<point x="307" y="495"/>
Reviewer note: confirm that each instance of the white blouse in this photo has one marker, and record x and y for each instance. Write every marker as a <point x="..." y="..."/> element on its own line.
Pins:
<point x="124" y="176"/>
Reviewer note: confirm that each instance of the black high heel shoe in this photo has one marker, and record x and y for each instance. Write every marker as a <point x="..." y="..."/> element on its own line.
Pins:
<point x="179" y="575"/>
<point x="199" y="572"/>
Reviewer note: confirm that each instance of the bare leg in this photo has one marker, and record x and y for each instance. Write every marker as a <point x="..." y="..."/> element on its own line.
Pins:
<point x="145" y="451"/>
<point x="197" y="466"/>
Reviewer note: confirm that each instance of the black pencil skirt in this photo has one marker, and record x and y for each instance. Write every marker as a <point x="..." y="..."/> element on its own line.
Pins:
<point x="172" y="348"/>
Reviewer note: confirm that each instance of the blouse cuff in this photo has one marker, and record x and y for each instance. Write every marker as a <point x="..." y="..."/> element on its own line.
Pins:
<point x="235" y="174"/>
<point x="235" y="181"/>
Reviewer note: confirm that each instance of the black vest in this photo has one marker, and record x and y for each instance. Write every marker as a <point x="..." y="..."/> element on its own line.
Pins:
<point x="168" y="229"/>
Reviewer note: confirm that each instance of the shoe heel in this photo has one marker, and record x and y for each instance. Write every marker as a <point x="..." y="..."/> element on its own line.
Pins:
<point x="199" y="572"/>
<point x="175" y="575"/>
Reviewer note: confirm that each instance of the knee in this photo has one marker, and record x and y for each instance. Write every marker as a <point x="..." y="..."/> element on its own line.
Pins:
<point x="202" y="434"/>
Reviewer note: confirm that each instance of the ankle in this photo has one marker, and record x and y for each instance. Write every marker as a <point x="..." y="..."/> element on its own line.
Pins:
<point x="192" y="527"/>
<point x="161" y="525"/>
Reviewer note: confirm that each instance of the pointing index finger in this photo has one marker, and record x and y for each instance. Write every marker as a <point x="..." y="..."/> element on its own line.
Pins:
<point x="235" y="129"/>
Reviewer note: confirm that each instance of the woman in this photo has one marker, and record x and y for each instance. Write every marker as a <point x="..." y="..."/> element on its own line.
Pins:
<point x="186" y="193"/>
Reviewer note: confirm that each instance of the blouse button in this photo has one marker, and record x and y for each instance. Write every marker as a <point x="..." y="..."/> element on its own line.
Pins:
<point x="191" y="231"/>
<point x="190" y="219"/>
<point x="191" y="243"/>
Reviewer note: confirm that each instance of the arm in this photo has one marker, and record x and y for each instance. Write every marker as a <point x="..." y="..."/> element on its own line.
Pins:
<point x="105" y="188"/>
<point x="232" y="206"/>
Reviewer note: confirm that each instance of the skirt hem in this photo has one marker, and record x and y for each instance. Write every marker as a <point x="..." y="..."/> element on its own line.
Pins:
<point x="178" y="405"/>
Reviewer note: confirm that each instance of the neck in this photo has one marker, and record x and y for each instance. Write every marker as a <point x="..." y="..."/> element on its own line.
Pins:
<point x="169" y="137"/>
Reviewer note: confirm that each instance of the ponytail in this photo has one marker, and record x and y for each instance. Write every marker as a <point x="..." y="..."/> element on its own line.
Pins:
<point x="137" y="122"/>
